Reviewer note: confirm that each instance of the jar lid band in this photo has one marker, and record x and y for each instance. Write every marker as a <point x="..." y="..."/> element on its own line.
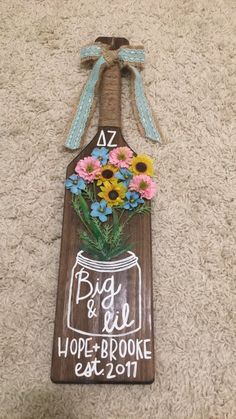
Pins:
<point x="105" y="266"/>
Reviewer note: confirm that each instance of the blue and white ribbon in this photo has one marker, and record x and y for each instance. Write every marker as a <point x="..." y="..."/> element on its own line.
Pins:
<point x="133" y="58"/>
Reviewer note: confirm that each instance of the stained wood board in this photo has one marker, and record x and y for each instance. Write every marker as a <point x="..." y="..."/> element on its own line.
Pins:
<point x="82" y="351"/>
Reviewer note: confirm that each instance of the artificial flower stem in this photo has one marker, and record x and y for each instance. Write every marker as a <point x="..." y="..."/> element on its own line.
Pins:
<point x="88" y="194"/>
<point x="122" y="212"/>
<point x="94" y="191"/>
<point x="136" y="211"/>
<point x="128" y="219"/>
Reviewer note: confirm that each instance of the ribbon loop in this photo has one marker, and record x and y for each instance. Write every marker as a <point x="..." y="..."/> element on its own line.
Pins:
<point x="131" y="57"/>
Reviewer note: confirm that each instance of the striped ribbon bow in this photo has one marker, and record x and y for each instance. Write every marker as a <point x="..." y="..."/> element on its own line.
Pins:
<point x="131" y="57"/>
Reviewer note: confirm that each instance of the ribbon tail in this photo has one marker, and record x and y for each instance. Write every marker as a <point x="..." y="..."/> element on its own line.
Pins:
<point x="84" y="109"/>
<point x="142" y="111"/>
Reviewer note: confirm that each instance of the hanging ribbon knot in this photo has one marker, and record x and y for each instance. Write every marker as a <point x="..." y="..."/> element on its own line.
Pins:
<point x="111" y="56"/>
<point x="131" y="57"/>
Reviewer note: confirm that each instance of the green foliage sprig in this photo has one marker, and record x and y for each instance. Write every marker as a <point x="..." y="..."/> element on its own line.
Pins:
<point x="102" y="241"/>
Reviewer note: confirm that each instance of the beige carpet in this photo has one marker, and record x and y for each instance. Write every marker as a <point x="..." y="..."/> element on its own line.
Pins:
<point x="189" y="81"/>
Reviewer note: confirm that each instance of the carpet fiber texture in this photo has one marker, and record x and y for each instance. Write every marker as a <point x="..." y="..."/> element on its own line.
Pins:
<point x="189" y="81"/>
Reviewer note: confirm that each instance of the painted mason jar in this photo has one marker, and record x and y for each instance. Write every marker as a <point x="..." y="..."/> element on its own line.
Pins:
<point x="102" y="300"/>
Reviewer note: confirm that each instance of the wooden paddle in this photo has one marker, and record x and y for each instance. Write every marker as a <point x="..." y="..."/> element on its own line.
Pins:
<point x="84" y="350"/>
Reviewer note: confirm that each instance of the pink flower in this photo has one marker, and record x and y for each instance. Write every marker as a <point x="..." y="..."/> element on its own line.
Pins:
<point x="121" y="157"/>
<point x="88" y="168"/>
<point x="144" y="185"/>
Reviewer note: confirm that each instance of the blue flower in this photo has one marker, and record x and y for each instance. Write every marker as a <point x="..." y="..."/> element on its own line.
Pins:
<point x="100" y="154"/>
<point x="125" y="175"/>
<point x="100" y="210"/>
<point x="132" y="200"/>
<point x="75" y="184"/>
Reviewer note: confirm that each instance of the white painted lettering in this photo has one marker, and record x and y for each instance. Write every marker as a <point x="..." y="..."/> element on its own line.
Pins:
<point x="59" y="347"/>
<point x="147" y="354"/>
<point x="82" y="276"/>
<point x="102" y="141"/>
<point x="109" y="318"/>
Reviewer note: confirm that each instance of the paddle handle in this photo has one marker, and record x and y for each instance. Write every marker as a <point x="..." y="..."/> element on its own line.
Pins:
<point x="110" y="97"/>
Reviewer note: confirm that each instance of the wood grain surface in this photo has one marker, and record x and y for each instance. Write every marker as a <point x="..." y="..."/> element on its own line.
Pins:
<point x="83" y="357"/>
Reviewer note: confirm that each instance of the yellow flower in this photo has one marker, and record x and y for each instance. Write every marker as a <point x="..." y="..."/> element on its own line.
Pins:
<point x="107" y="174"/>
<point x="142" y="165"/>
<point x="113" y="192"/>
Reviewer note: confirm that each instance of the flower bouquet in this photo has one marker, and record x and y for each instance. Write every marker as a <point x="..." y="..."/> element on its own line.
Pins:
<point x="108" y="188"/>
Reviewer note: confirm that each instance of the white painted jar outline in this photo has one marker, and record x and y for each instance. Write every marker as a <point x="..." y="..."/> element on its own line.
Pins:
<point x="112" y="267"/>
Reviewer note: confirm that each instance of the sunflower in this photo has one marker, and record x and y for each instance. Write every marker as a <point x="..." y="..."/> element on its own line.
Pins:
<point x="142" y="165"/>
<point x="113" y="192"/>
<point x="107" y="174"/>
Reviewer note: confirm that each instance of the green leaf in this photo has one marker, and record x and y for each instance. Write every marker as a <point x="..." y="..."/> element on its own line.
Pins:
<point x="93" y="224"/>
<point x="84" y="208"/>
